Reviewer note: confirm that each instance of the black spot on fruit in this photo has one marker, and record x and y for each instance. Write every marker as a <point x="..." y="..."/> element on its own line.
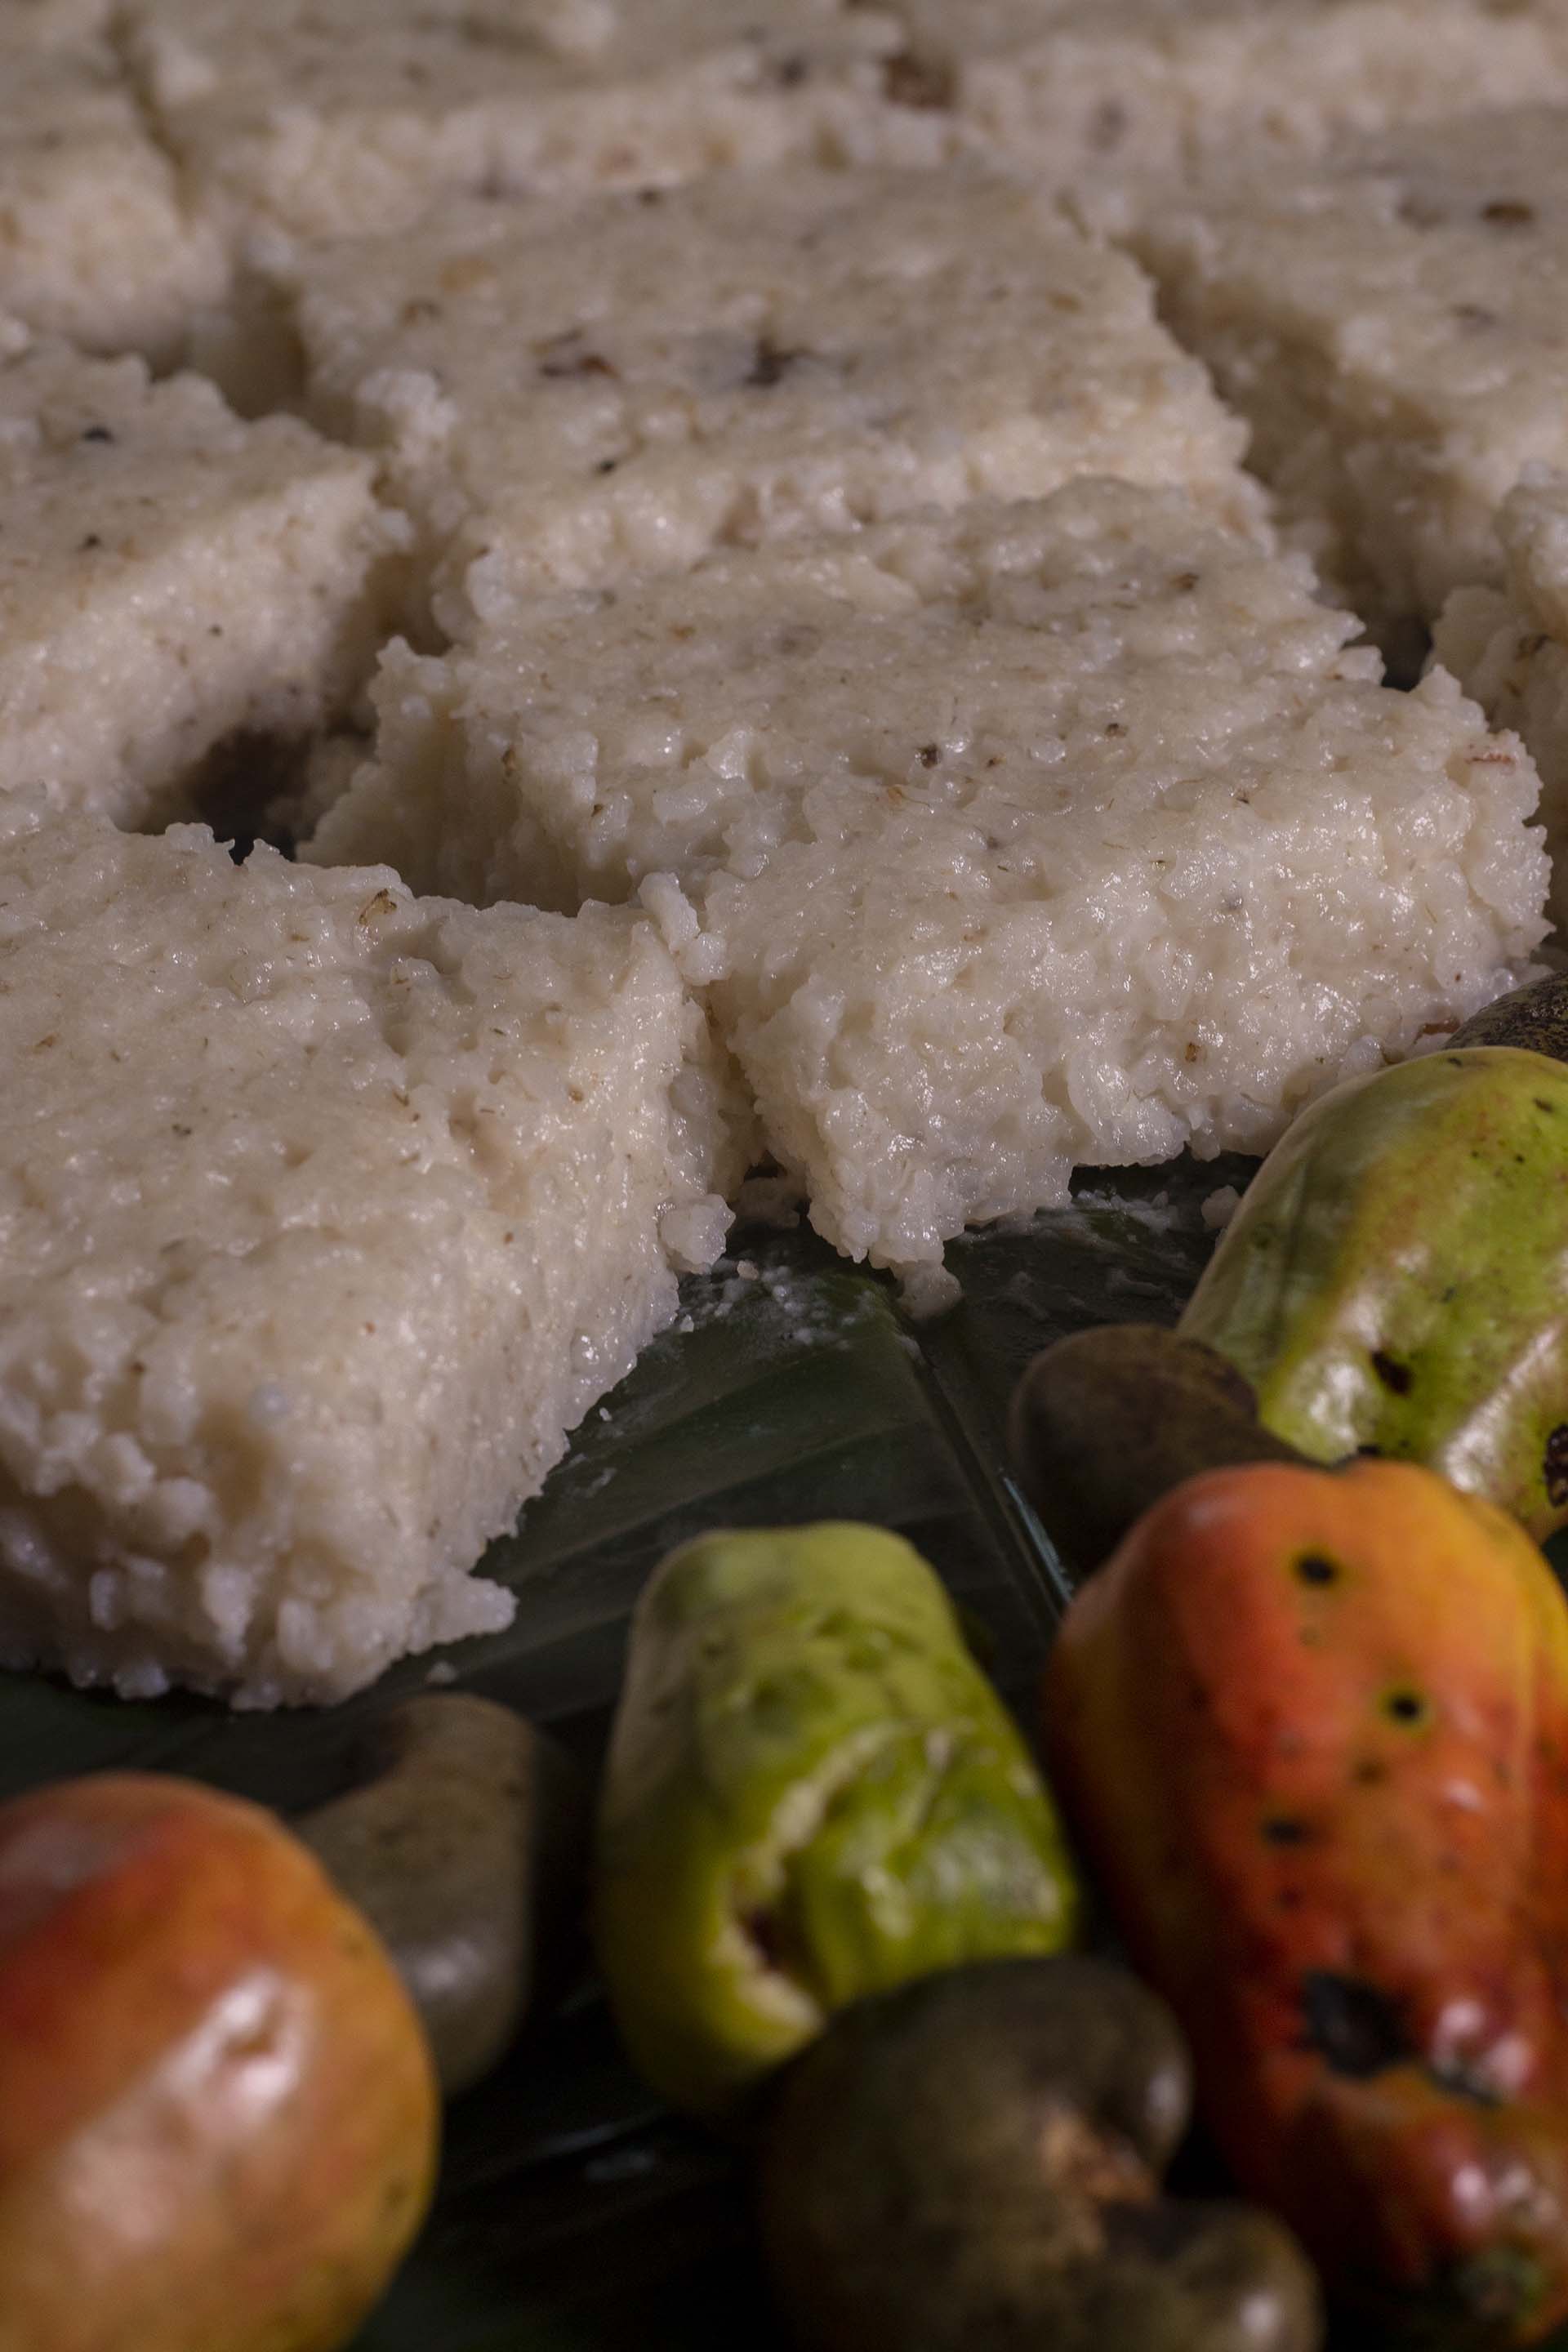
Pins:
<point x="1284" y="1829"/>
<point x="1452" y="2075"/>
<point x="765" y="1933"/>
<point x="1395" y="1377"/>
<point x="1315" y="1568"/>
<point x="1554" y="1466"/>
<point x="1352" y="2026"/>
<point x="1408" y="1708"/>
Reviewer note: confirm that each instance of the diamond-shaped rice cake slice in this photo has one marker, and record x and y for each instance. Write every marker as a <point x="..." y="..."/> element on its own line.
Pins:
<point x="1394" y="326"/>
<point x="1031" y="836"/>
<point x="327" y="1212"/>
<point x="97" y="240"/>
<point x="330" y="116"/>
<point x="567" y="392"/>
<point x="170" y="578"/>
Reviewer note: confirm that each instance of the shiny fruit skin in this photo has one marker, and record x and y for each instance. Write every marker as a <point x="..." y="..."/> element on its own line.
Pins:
<point x="1311" y="1730"/>
<point x="218" y="2116"/>
<point x="811" y="1794"/>
<point x="1395" y="1280"/>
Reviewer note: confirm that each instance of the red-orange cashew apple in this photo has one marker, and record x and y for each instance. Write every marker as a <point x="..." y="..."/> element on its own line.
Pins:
<point x="219" y="2115"/>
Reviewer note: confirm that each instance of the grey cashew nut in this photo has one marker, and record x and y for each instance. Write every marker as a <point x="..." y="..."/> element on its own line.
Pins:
<point x="465" y="1846"/>
<point x="1534" y="1016"/>
<point x="975" y="2163"/>
<point x="1105" y="1422"/>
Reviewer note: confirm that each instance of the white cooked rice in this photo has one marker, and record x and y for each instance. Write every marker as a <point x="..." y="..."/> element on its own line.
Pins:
<point x="1030" y="837"/>
<point x="327" y="1212"/>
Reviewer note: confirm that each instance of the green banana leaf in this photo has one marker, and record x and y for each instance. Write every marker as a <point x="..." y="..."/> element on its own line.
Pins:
<point x="574" y="2216"/>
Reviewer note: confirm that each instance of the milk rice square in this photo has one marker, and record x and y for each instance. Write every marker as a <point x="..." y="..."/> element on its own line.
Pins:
<point x="565" y="392"/>
<point x="1031" y="836"/>
<point x="327" y="1212"/>
<point x="330" y="116"/>
<point x="98" y="238"/>
<point x="1113" y="98"/>
<point x="1393" y="324"/>
<point x="171" y="579"/>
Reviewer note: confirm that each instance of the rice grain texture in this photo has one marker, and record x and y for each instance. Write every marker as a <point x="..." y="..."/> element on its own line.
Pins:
<point x="327" y="1212"/>
<point x="1393" y="324"/>
<point x="330" y="117"/>
<point x="97" y="239"/>
<point x="1509" y="647"/>
<point x="1115" y="99"/>
<point x="567" y="393"/>
<point x="171" y="579"/>
<point x="1037" y="835"/>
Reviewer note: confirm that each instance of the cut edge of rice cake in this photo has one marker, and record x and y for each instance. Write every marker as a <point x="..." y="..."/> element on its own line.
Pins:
<point x="174" y="582"/>
<point x="945" y="992"/>
<point x="1508" y="647"/>
<point x="293" y="1325"/>
<point x="888" y="1171"/>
